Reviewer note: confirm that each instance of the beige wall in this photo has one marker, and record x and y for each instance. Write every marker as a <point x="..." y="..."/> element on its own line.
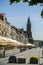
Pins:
<point x="4" y="29"/>
<point x="13" y="33"/>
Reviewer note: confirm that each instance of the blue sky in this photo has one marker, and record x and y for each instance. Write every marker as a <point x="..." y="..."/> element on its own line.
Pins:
<point x="18" y="13"/>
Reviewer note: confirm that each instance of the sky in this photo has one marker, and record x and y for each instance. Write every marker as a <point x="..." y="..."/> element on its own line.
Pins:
<point x="17" y="14"/>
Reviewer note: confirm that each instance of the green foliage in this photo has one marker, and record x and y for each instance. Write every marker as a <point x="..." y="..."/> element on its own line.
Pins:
<point x="25" y="0"/>
<point x="42" y="13"/>
<point x="41" y="43"/>
<point x="31" y="3"/>
<point x="33" y="60"/>
<point x="31" y="40"/>
<point x="35" y="2"/>
<point x="30" y="47"/>
<point x="12" y="1"/>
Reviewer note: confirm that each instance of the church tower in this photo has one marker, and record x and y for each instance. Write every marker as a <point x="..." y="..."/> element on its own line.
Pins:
<point x="29" y="33"/>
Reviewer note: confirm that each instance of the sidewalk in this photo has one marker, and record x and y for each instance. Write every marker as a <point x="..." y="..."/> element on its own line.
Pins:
<point x="11" y="52"/>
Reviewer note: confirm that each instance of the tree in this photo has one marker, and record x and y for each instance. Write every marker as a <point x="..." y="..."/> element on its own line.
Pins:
<point x="42" y="13"/>
<point x="30" y="39"/>
<point x="31" y="3"/>
<point x="42" y="43"/>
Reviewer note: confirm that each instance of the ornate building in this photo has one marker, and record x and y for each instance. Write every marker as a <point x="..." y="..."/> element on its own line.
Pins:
<point x="9" y="31"/>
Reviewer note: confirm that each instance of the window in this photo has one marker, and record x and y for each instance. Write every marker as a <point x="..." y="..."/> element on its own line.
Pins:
<point x="0" y="26"/>
<point x="2" y="18"/>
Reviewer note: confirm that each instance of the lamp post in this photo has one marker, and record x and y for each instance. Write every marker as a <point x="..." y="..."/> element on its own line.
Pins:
<point x="38" y="56"/>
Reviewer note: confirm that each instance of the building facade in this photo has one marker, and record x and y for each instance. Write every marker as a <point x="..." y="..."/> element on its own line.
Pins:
<point x="13" y="33"/>
<point x="18" y="34"/>
<point x="4" y="26"/>
<point x="9" y="31"/>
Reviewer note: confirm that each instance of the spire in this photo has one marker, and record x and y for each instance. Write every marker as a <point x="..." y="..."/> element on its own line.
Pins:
<point x="28" y="20"/>
<point x="29" y="28"/>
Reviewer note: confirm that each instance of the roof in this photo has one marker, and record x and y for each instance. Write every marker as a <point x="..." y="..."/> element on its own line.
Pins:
<point x="13" y="27"/>
<point x="2" y="13"/>
<point x="7" y="22"/>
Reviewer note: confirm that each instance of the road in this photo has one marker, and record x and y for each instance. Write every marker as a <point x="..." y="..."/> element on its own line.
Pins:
<point x="27" y="54"/>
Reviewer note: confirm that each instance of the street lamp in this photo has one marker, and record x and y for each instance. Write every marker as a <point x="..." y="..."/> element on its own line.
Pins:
<point x="38" y="56"/>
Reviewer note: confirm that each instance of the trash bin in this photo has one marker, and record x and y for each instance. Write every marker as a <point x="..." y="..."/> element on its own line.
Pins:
<point x="12" y="59"/>
<point x="21" y="60"/>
